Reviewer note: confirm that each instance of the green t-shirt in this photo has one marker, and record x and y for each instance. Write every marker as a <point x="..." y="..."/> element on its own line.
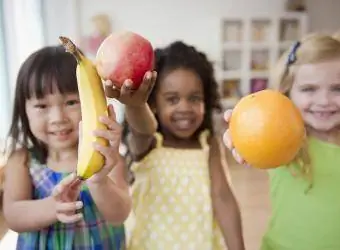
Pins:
<point x="306" y="220"/>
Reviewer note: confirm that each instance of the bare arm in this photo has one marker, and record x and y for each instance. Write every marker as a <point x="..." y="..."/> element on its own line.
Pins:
<point x="225" y="205"/>
<point x="112" y="195"/>
<point x="23" y="214"/>
<point x="139" y="115"/>
<point x="141" y="119"/>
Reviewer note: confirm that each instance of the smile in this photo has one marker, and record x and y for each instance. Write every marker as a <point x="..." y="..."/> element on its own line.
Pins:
<point x="323" y="114"/>
<point x="183" y="124"/>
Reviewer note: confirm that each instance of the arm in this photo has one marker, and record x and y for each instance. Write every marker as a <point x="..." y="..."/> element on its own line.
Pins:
<point x="112" y="195"/>
<point x="23" y="214"/>
<point x="139" y="116"/>
<point x="225" y="205"/>
<point x="141" y="119"/>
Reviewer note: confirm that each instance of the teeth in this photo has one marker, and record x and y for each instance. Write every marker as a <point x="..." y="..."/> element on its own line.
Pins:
<point x="183" y="123"/>
<point x="323" y="114"/>
<point x="61" y="133"/>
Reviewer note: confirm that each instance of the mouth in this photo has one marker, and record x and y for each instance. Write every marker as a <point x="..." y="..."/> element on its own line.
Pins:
<point x="323" y="114"/>
<point x="184" y="124"/>
<point x="61" y="134"/>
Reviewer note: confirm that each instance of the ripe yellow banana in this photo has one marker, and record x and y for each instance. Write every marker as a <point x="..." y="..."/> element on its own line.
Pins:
<point x="93" y="104"/>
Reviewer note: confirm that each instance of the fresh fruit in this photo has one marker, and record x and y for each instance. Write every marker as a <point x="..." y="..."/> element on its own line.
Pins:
<point x="267" y="129"/>
<point x="124" y="55"/>
<point x="93" y="104"/>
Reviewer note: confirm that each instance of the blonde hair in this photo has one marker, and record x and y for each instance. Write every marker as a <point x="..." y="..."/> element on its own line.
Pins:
<point x="313" y="48"/>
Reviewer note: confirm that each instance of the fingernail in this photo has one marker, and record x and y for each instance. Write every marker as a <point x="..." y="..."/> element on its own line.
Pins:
<point x="101" y="118"/>
<point x="128" y="83"/>
<point x="80" y="216"/>
<point x="79" y="204"/>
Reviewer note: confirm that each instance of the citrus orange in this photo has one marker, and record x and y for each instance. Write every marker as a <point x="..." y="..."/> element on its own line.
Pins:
<point x="267" y="129"/>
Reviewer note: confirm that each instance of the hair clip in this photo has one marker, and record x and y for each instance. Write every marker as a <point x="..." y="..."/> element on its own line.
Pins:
<point x="292" y="54"/>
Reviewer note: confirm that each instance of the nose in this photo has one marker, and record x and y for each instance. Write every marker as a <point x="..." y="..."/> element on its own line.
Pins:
<point x="57" y="115"/>
<point x="184" y="106"/>
<point x="323" y="99"/>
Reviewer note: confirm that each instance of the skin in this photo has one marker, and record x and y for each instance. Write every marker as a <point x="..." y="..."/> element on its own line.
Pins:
<point x="180" y="107"/>
<point x="54" y="120"/>
<point x="316" y="93"/>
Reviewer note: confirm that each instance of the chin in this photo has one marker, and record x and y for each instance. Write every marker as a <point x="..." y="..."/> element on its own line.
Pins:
<point x="323" y="127"/>
<point x="183" y="134"/>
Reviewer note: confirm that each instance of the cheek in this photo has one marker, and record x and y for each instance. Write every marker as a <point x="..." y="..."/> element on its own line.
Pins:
<point x="301" y="101"/>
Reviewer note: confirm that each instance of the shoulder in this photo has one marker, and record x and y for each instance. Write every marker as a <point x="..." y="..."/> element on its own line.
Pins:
<point x="18" y="158"/>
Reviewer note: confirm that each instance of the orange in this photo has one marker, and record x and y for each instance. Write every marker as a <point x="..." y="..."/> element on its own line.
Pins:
<point x="267" y="129"/>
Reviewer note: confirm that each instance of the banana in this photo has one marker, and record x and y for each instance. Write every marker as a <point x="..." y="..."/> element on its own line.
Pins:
<point x="93" y="104"/>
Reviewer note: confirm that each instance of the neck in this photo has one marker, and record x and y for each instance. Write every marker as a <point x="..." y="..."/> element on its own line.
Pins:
<point x="332" y="136"/>
<point x="63" y="155"/>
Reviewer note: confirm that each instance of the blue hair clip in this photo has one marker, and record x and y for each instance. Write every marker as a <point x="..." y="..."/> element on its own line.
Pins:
<point x="292" y="53"/>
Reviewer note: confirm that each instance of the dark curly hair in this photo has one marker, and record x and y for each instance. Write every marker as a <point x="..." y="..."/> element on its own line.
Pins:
<point x="179" y="55"/>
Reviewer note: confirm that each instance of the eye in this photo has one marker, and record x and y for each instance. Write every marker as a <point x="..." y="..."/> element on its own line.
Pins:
<point x="307" y="89"/>
<point x="40" y="106"/>
<point x="172" y="99"/>
<point x="195" y="98"/>
<point x="72" y="102"/>
<point x="336" y="88"/>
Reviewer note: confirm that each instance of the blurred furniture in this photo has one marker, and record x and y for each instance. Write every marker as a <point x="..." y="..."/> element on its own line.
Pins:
<point x="250" y="45"/>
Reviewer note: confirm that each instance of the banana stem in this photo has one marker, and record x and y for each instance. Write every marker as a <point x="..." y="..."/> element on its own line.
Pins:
<point x="70" y="47"/>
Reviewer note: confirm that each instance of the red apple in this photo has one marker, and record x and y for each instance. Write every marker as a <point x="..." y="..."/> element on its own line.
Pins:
<point x="124" y="55"/>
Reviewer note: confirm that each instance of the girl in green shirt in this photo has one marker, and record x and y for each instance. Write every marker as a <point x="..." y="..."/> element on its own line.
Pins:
<point x="305" y="194"/>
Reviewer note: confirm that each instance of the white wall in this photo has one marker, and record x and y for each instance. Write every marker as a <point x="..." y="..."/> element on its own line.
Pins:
<point x="160" y="21"/>
<point x="324" y="15"/>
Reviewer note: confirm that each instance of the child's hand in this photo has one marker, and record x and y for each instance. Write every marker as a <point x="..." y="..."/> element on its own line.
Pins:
<point x="111" y="152"/>
<point x="65" y="196"/>
<point x="129" y="96"/>
<point x="228" y="142"/>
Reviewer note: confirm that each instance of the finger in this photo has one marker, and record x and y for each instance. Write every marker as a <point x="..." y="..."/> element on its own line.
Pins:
<point x="227" y="140"/>
<point x="147" y="83"/>
<point x="237" y="157"/>
<point x="111" y="135"/>
<point x="66" y="207"/>
<point x="110" y="122"/>
<point x="111" y="112"/>
<point x="63" y="184"/>
<point x="127" y="88"/>
<point x="110" y="90"/>
<point x="227" y="115"/>
<point x="101" y="174"/>
<point x="72" y="218"/>
<point x="108" y="152"/>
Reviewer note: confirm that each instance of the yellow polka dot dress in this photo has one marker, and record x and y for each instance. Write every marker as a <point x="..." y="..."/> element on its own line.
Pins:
<point x="172" y="206"/>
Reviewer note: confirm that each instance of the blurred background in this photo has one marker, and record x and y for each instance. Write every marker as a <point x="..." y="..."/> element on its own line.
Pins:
<point x="243" y="38"/>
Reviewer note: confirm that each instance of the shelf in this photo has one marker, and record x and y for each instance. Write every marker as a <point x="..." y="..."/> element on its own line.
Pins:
<point x="289" y="29"/>
<point x="250" y="45"/>
<point x="260" y="30"/>
<point x="232" y="60"/>
<point x="257" y="84"/>
<point x="259" y="59"/>
<point x="231" y="88"/>
<point x="259" y="74"/>
<point x="231" y="74"/>
<point x="229" y="102"/>
<point x="232" y="30"/>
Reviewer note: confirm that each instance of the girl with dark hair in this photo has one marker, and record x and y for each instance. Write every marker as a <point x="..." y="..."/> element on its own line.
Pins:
<point x="181" y="196"/>
<point x="42" y="196"/>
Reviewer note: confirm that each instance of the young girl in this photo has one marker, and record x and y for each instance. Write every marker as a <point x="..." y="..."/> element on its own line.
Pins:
<point x="43" y="200"/>
<point x="180" y="189"/>
<point x="305" y="207"/>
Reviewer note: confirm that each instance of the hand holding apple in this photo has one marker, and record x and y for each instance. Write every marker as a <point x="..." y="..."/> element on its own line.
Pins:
<point x="129" y="96"/>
